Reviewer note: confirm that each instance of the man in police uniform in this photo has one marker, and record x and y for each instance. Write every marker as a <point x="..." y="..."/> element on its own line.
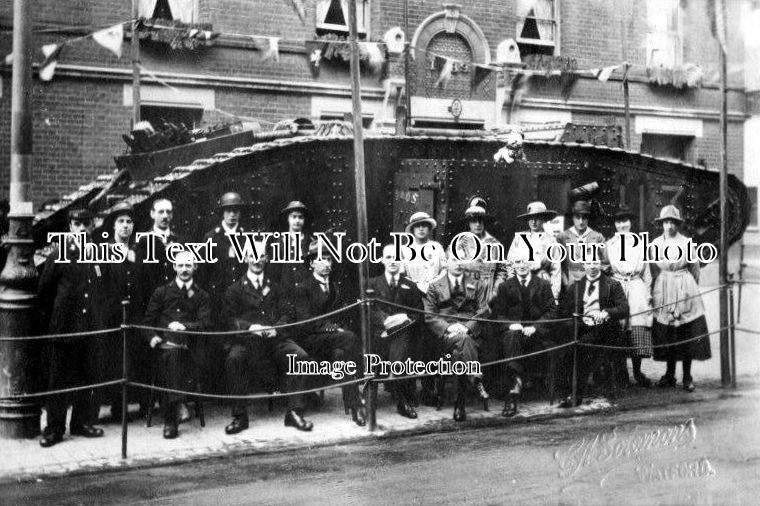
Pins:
<point x="579" y="233"/>
<point x="217" y="277"/>
<point x="68" y="295"/>
<point x="177" y="306"/>
<point x="254" y="303"/>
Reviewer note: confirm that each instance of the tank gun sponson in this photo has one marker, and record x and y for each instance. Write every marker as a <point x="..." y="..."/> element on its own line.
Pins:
<point x="406" y="174"/>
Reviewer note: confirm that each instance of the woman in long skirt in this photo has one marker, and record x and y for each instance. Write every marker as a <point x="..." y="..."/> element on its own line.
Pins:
<point x="635" y="277"/>
<point x="682" y="315"/>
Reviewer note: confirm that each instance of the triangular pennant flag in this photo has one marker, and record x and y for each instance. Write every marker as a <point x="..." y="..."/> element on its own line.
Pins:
<point x="8" y="59"/>
<point x="446" y="67"/>
<point x="479" y="73"/>
<point x="374" y="56"/>
<point x="314" y="52"/>
<point x="110" y="38"/>
<point x="297" y="5"/>
<point x="47" y="68"/>
<point x="605" y="73"/>
<point x="273" y="50"/>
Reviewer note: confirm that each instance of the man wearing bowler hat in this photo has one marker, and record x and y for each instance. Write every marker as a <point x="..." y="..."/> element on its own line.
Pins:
<point x="393" y="328"/>
<point x="579" y="233"/>
<point x="540" y="241"/>
<point x="68" y="300"/>
<point x="219" y="276"/>
<point x="292" y="274"/>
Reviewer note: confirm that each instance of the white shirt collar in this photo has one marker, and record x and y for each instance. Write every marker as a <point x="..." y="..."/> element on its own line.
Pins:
<point x="584" y="234"/>
<point x="589" y="280"/>
<point x="389" y="277"/>
<point x="180" y="284"/>
<point x="321" y="279"/>
<point x="255" y="278"/>
<point x="229" y="230"/>
<point x="164" y="234"/>
<point x="527" y="278"/>
<point x="454" y="279"/>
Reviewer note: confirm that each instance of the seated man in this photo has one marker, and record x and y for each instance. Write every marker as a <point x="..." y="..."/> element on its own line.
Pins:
<point x="527" y="298"/>
<point x="601" y="303"/>
<point x="325" y="338"/>
<point x="179" y="305"/>
<point x="254" y="302"/>
<point x="393" y="329"/>
<point x="450" y="300"/>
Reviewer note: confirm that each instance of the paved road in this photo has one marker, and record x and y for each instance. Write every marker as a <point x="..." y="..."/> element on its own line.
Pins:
<point x="715" y="460"/>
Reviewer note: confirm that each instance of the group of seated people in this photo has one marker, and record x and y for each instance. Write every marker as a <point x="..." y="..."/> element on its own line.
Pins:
<point x="439" y="305"/>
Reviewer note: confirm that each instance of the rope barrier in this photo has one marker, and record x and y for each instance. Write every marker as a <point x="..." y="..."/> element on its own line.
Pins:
<point x="467" y="318"/>
<point x="748" y="331"/>
<point x="64" y="390"/>
<point x="248" y="397"/>
<point x="667" y="345"/>
<point x="60" y="336"/>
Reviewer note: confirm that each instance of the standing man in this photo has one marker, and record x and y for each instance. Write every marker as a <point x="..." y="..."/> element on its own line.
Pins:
<point x="459" y="295"/>
<point x="68" y="294"/>
<point x="178" y="306"/>
<point x="526" y="298"/>
<point x="291" y="275"/>
<point x="219" y="276"/>
<point x="601" y="302"/>
<point x="392" y="328"/>
<point x="540" y="241"/>
<point x="579" y="233"/>
<point x="325" y="338"/>
<point x="254" y="303"/>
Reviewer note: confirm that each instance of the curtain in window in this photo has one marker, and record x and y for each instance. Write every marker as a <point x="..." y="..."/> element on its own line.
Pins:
<point x="184" y="10"/>
<point x="145" y="8"/>
<point x="543" y="11"/>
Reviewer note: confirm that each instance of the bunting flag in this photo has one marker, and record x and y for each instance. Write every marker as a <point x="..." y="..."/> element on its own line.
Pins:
<point x="111" y="38"/>
<point x="270" y="49"/>
<point x="445" y="66"/>
<point x="315" y="50"/>
<point x="297" y="5"/>
<point x="52" y="52"/>
<point x="605" y="73"/>
<point x="373" y="55"/>
<point x="8" y="61"/>
<point x="479" y="73"/>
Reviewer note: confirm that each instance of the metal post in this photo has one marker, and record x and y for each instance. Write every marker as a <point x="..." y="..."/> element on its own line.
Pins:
<point x="575" y="348"/>
<point x="407" y="49"/>
<point x="135" y="55"/>
<point x="627" y="104"/>
<point x="361" y="196"/>
<point x="125" y="378"/>
<point x="732" y="333"/>
<point x="725" y="366"/>
<point x="18" y="280"/>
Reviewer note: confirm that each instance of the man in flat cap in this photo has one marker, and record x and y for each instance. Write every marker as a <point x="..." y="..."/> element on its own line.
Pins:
<point x="579" y="233"/>
<point x="68" y="296"/>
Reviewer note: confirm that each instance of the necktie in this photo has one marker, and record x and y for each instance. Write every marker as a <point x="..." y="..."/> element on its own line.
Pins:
<point x="185" y="292"/>
<point x="457" y="286"/>
<point x="394" y="283"/>
<point x="524" y="282"/>
<point x="591" y="287"/>
<point x="256" y="284"/>
<point x="325" y="287"/>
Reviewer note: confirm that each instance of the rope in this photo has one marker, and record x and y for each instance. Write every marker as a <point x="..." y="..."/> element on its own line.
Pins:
<point x="748" y="331"/>
<point x="238" y="332"/>
<point x="59" y="336"/>
<point x="677" y="301"/>
<point x="64" y="390"/>
<point x="248" y="397"/>
<point x="668" y="345"/>
<point x="467" y="318"/>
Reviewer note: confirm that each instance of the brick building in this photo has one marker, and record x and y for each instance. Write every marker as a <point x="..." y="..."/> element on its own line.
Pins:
<point x="80" y="116"/>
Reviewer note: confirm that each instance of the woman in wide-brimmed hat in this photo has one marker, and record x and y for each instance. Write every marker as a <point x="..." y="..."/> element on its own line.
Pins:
<point x="679" y="313"/>
<point x="635" y="276"/>
<point x="291" y="274"/>
<point x="537" y="214"/>
<point x="423" y="271"/>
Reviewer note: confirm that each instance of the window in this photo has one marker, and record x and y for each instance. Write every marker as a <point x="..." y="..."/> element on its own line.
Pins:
<point x="158" y="114"/>
<point x="666" y="146"/>
<point x="185" y="11"/>
<point x="664" y="42"/>
<point x="537" y="26"/>
<point x="332" y="16"/>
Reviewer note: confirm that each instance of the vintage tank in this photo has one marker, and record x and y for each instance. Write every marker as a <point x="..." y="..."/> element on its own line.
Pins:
<point x="436" y="173"/>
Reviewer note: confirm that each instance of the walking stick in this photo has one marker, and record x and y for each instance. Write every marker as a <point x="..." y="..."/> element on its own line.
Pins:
<point x="125" y="378"/>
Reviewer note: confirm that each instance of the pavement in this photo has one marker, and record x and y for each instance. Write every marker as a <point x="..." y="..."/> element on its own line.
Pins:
<point x="25" y="460"/>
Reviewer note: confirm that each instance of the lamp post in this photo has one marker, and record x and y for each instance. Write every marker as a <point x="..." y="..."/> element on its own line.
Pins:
<point x="19" y="417"/>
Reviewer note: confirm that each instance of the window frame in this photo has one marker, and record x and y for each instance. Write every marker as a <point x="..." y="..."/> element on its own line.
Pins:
<point x="555" y="21"/>
<point x="676" y="37"/>
<point x="361" y="29"/>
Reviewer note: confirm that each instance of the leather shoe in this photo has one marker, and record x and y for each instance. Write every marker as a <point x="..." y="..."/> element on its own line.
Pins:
<point x="170" y="431"/>
<point x="569" y="402"/>
<point x="87" y="431"/>
<point x="239" y="424"/>
<point x="460" y="414"/>
<point x="643" y="381"/>
<point x="50" y="439"/>
<point x="688" y="385"/>
<point x="406" y="409"/>
<point x="482" y="394"/>
<point x="359" y="416"/>
<point x="666" y="381"/>
<point x="510" y="406"/>
<point x="294" y="419"/>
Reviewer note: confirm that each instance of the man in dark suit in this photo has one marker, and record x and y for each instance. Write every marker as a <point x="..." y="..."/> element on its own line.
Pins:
<point x="178" y="306"/>
<point x="326" y="338"/>
<point x="393" y="329"/>
<point x="69" y="302"/>
<point x="255" y="303"/>
<point x="600" y="303"/>
<point x="460" y="295"/>
<point x="522" y="298"/>
<point x="217" y="277"/>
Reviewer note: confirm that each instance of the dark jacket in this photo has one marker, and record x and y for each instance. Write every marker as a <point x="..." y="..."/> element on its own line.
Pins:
<point x="167" y="304"/>
<point x="219" y="276"/>
<point x="289" y="275"/>
<point x="611" y="299"/>
<point x="153" y="275"/>
<point x="121" y="283"/>
<point x="406" y="294"/>
<point x="244" y="305"/>
<point x="509" y="304"/>
<point x="439" y="301"/>
<point x="309" y="301"/>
